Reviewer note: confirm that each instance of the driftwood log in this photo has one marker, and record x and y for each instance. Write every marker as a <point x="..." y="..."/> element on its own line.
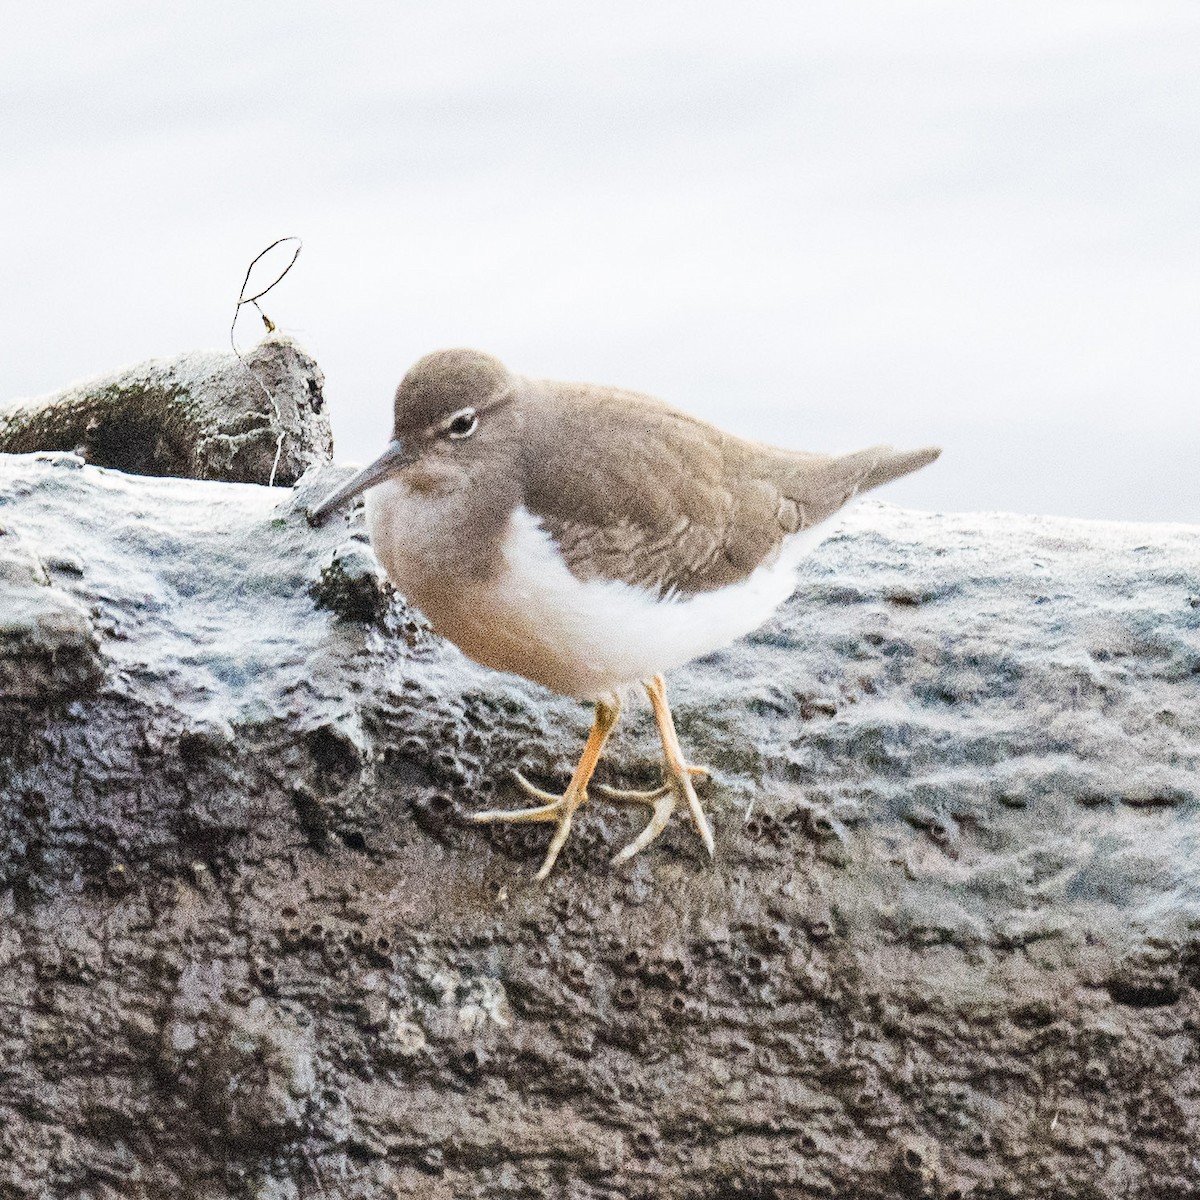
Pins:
<point x="949" y="946"/>
<point x="203" y="415"/>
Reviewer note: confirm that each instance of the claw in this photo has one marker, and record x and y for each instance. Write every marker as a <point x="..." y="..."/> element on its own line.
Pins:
<point x="662" y="808"/>
<point x="560" y="809"/>
<point x="546" y="812"/>
<point x="624" y="796"/>
<point x="531" y="790"/>
<point x="663" y="801"/>
<point x="629" y="796"/>
<point x="677" y="783"/>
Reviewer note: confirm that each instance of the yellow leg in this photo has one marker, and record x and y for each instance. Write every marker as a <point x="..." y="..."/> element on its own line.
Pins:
<point x="560" y="809"/>
<point x="677" y="782"/>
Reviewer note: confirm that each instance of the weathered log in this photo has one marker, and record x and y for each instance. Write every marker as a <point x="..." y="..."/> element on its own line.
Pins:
<point x="206" y="415"/>
<point x="949" y="946"/>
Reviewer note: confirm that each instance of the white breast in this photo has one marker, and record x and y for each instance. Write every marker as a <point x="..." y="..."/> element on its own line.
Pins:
<point x="579" y="638"/>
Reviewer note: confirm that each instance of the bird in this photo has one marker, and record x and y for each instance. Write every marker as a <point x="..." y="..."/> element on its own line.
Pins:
<point x="590" y="539"/>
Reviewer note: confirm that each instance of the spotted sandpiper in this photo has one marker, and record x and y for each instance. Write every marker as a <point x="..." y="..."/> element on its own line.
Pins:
<point x="589" y="539"/>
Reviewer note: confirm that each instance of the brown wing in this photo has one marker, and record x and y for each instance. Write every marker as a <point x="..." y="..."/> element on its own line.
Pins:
<point x="632" y="489"/>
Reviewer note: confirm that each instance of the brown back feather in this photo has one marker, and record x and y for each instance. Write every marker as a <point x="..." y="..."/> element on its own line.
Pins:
<point x="664" y="501"/>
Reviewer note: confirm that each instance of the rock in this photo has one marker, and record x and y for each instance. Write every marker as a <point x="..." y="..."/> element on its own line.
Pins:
<point x="950" y="944"/>
<point x="205" y="415"/>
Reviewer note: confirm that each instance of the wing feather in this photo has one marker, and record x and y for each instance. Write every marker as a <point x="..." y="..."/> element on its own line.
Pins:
<point x="631" y="489"/>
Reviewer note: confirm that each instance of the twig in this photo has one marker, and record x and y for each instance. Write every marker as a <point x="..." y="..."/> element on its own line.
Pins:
<point x="244" y="299"/>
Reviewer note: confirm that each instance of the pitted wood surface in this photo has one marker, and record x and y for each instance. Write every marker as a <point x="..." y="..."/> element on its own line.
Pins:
<point x="949" y="945"/>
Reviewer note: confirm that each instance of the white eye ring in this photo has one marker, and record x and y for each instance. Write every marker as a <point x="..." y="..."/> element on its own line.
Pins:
<point x="462" y="423"/>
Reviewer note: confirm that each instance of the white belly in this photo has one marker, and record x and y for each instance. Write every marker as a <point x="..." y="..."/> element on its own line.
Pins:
<point x="584" y="639"/>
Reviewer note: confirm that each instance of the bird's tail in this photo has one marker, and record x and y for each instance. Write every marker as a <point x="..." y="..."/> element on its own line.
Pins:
<point x="892" y="464"/>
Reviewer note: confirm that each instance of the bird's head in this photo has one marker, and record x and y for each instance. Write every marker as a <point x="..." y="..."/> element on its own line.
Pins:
<point x="451" y="411"/>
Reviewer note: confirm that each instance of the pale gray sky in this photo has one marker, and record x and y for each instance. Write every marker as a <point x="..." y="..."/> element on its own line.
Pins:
<point x="974" y="222"/>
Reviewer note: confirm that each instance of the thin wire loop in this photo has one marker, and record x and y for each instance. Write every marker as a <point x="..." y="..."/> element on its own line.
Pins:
<point x="242" y="300"/>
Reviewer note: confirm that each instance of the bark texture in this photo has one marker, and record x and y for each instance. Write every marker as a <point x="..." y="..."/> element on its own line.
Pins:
<point x="949" y="947"/>
<point x="205" y="415"/>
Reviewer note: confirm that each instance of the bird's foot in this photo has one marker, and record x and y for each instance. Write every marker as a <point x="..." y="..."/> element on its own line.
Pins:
<point x="559" y="809"/>
<point x="677" y="785"/>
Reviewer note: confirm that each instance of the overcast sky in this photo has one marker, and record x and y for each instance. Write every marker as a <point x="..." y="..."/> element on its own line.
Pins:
<point x="970" y="222"/>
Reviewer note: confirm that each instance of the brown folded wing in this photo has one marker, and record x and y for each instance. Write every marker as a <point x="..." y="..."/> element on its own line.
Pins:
<point x="667" y="502"/>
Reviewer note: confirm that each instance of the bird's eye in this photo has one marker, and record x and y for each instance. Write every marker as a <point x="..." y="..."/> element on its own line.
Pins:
<point x="463" y="423"/>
